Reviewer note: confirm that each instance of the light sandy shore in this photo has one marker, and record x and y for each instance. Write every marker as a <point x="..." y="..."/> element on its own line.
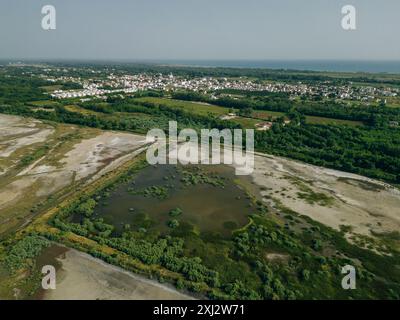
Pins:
<point x="83" y="277"/>
<point x="362" y="203"/>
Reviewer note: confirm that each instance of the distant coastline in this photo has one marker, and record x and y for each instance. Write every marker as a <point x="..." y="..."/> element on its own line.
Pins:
<point x="345" y="66"/>
<point x="298" y="65"/>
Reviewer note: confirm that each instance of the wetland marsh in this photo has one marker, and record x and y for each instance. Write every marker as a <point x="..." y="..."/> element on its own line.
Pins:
<point x="201" y="198"/>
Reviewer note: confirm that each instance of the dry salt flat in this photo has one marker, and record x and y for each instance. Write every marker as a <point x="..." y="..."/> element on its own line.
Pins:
<point x="81" y="161"/>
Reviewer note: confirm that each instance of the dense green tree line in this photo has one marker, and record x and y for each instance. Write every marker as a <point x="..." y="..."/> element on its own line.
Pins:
<point x="16" y="91"/>
<point x="370" y="152"/>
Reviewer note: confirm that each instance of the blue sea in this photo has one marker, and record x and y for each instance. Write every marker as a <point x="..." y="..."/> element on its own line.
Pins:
<point x="310" y="65"/>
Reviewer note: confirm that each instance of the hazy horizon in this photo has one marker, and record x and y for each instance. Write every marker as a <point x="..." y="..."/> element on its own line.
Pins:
<point x="346" y="66"/>
<point x="206" y="30"/>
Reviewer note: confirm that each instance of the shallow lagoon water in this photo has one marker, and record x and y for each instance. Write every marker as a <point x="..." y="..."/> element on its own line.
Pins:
<point x="206" y="207"/>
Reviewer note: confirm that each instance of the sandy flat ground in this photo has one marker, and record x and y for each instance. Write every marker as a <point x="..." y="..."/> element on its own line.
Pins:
<point x="362" y="203"/>
<point x="13" y="145"/>
<point x="17" y="132"/>
<point x="83" y="277"/>
<point x="77" y="161"/>
<point x="87" y="157"/>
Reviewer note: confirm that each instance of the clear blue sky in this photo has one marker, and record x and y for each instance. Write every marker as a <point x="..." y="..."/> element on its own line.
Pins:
<point x="202" y="29"/>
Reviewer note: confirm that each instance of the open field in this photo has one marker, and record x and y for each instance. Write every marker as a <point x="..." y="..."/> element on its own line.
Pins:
<point x="322" y="120"/>
<point x="265" y="115"/>
<point x="38" y="161"/>
<point x="75" y="108"/>
<point x="51" y="88"/>
<point x="247" y="123"/>
<point x="393" y="102"/>
<point x="43" y="104"/>
<point x="194" y="107"/>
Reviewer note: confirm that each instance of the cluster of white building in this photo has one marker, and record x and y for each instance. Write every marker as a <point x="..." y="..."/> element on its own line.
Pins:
<point x="131" y="83"/>
<point x="94" y="92"/>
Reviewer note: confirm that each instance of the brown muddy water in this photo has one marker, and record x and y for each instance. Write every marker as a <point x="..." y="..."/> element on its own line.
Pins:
<point x="206" y="207"/>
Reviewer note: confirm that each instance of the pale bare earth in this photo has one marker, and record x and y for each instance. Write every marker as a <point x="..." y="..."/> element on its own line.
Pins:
<point x="68" y="160"/>
<point x="362" y="203"/>
<point x="90" y="155"/>
<point x="83" y="277"/>
<point x="12" y="145"/>
<point x="17" y="133"/>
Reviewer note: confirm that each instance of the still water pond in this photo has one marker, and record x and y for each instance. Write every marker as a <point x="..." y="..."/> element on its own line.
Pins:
<point x="207" y="198"/>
